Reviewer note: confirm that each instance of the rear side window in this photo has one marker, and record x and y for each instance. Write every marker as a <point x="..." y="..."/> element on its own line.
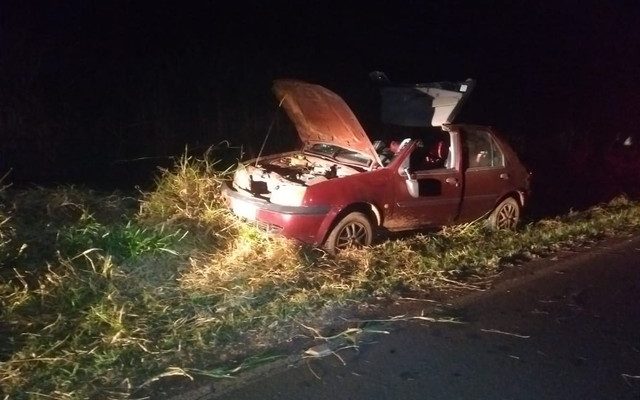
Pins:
<point x="482" y="150"/>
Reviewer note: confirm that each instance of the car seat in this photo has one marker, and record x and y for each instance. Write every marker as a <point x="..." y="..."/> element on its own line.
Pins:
<point x="436" y="155"/>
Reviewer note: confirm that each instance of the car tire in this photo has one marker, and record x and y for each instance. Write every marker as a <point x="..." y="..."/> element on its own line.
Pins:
<point x="354" y="230"/>
<point x="506" y="215"/>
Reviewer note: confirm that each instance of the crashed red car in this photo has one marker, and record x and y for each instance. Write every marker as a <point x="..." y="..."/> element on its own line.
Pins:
<point x="340" y="188"/>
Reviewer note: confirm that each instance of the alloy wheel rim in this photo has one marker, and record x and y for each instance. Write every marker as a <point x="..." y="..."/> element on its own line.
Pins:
<point x="507" y="217"/>
<point x="352" y="234"/>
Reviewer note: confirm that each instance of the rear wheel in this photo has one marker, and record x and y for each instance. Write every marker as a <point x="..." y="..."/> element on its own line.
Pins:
<point x="506" y="215"/>
<point x="354" y="230"/>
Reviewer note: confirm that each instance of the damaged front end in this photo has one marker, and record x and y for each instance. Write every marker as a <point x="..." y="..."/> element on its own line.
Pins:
<point x="284" y="179"/>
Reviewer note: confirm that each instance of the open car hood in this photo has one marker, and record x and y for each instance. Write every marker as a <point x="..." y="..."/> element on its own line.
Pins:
<point x="423" y="104"/>
<point x="321" y="116"/>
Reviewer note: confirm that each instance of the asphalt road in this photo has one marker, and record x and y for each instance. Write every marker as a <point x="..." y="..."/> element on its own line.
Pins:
<point x="566" y="329"/>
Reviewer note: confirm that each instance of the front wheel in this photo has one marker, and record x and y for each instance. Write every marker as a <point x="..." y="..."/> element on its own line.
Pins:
<point x="506" y="215"/>
<point x="354" y="230"/>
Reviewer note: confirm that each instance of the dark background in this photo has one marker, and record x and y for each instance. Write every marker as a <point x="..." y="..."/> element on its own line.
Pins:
<point x="100" y="92"/>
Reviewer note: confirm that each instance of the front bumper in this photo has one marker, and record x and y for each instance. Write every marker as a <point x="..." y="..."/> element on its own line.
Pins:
<point x="303" y="223"/>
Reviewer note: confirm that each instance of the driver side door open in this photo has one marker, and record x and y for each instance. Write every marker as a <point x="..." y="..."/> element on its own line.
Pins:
<point x="427" y="187"/>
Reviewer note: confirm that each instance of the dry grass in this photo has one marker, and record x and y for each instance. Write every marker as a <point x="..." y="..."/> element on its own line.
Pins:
<point x="189" y="195"/>
<point x="105" y="301"/>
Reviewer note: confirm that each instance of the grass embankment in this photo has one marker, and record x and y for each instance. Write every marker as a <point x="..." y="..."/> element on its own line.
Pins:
<point x="102" y="295"/>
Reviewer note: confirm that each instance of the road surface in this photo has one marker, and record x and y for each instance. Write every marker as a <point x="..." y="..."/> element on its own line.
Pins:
<point x="567" y="329"/>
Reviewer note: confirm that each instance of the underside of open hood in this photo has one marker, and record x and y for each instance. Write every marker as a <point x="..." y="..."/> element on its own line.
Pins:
<point x="321" y="116"/>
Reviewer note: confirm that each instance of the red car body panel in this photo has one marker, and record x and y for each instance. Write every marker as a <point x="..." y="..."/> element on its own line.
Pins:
<point x="321" y="188"/>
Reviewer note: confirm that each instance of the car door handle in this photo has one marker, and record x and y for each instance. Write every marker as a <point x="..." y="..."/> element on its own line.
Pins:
<point x="504" y="176"/>
<point x="453" y="181"/>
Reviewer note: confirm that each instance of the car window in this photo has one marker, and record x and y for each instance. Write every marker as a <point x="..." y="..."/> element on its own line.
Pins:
<point x="482" y="150"/>
<point x="433" y="152"/>
<point x="340" y="154"/>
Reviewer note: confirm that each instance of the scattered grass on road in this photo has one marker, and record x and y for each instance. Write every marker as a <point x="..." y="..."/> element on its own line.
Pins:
<point x="103" y="294"/>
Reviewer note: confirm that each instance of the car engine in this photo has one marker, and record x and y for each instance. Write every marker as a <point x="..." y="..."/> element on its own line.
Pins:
<point x="296" y="169"/>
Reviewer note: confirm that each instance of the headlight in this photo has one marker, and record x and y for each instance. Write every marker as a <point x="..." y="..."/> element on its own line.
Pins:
<point x="288" y="195"/>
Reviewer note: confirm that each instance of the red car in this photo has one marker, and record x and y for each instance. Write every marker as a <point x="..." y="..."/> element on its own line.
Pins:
<point x="339" y="187"/>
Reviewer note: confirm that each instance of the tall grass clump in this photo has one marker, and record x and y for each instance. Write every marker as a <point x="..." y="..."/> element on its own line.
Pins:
<point x="190" y="195"/>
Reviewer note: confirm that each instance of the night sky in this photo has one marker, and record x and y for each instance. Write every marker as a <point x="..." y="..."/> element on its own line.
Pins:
<point x="87" y="88"/>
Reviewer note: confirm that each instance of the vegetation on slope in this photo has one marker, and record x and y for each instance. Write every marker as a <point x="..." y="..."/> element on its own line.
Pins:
<point x="102" y="294"/>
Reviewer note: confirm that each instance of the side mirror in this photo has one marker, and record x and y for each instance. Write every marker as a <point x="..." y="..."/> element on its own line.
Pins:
<point x="407" y="172"/>
<point x="412" y="184"/>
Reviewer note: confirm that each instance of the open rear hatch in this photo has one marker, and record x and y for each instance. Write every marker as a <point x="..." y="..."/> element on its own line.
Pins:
<point x="422" y="104"/>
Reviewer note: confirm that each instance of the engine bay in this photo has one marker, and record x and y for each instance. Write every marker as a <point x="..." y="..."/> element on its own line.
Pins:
<point x="296" y="169"/>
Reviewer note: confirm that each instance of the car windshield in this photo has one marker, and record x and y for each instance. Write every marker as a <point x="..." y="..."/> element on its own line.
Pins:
<point x="339" y="154"/>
